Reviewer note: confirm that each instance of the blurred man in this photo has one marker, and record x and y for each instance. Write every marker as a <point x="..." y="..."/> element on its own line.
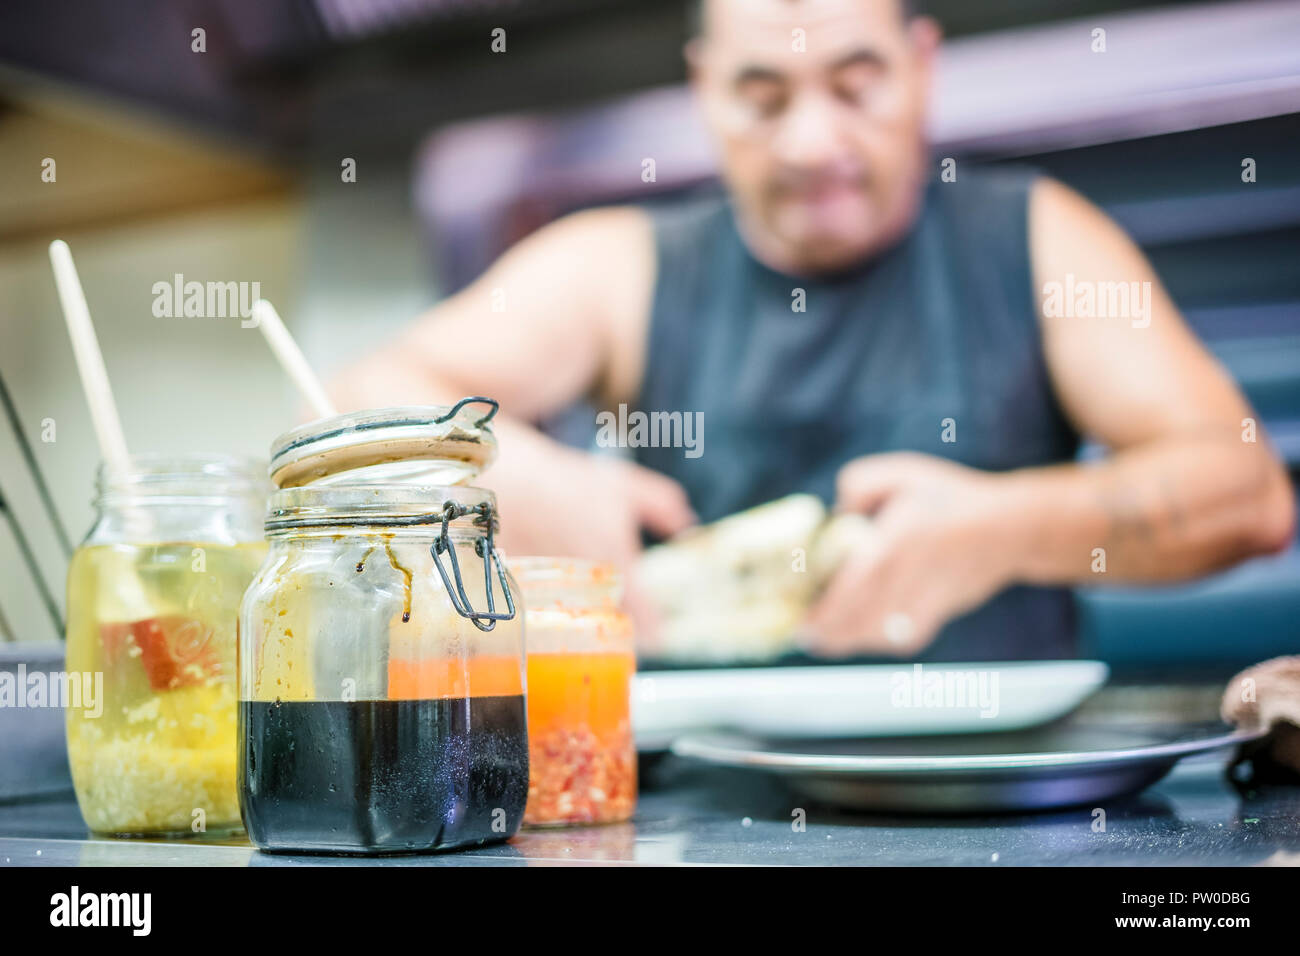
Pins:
<point x="849" y="323"/>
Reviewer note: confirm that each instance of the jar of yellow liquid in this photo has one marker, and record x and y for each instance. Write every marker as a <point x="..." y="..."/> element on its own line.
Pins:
<point x="153" y="601"/>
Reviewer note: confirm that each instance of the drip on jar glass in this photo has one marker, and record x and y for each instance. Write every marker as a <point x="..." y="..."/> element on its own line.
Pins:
<point x="153" y="603"/>
<point x="581" y="658"/>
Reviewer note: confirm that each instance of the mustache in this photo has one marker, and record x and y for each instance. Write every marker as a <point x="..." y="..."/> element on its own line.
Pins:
<point x="817" y="178"/>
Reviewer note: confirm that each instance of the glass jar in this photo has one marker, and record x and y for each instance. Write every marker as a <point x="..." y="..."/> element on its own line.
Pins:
<point x="581" y="658"/>
<point x="381" y="660"/>
<point x="153" y="602"/>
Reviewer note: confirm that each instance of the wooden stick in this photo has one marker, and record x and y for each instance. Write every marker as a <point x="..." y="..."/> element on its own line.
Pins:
<point x="90" y="361"/>
<point x="291" y="359"/>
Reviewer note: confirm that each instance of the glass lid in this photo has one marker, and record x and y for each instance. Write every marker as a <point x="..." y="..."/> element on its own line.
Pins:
<point x="418" y="444"/>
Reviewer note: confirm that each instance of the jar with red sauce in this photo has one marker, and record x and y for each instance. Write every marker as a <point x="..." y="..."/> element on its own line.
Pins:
<point x="581" y="658"/>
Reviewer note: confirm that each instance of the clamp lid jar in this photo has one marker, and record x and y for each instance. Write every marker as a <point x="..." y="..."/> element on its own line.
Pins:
<point x="381" y="666"/>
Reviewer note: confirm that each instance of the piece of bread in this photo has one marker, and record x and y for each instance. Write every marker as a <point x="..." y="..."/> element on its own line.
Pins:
<point x="736" y="590"/>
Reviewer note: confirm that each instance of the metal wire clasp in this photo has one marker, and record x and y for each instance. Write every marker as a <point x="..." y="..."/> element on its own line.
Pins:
<point x="485" y="549"/>
<point x="471" y="400"/>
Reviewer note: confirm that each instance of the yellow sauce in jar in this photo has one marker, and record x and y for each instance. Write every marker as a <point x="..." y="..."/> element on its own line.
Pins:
<point x="157" y="755"/>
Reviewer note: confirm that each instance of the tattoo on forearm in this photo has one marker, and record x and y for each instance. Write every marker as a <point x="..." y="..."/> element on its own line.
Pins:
<point x="1179" y="505"/>
<point x="1128" y="519"/>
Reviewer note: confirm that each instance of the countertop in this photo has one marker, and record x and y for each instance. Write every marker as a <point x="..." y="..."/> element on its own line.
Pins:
<point x="690" y="814"/>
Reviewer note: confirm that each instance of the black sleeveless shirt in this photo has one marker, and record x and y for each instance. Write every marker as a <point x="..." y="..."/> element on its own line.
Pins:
<point x="937" y="338"/>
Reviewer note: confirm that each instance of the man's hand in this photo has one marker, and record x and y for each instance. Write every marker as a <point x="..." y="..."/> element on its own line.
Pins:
<point x="570" y="503"/>
<point x="559" y="501"/>
<point x="935" y="551"/>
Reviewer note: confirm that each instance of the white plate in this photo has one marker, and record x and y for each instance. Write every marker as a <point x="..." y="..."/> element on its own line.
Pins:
<point x="873" y="700"/>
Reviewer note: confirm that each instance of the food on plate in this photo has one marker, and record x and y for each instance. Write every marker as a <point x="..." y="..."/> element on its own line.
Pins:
<point x="737" y="590"/>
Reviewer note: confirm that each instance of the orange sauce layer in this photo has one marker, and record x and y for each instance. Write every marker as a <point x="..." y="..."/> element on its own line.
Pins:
<point x="438" y="677"/>
<point x="579" y="690"/>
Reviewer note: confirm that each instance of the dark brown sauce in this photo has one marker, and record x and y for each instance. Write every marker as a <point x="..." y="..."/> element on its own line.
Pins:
<point x="383" y="776"/>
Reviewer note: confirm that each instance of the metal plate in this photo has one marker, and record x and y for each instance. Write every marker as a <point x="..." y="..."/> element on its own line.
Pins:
<point x="1064" y="764"/>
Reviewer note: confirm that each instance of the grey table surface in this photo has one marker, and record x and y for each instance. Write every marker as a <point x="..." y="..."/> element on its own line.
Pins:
<point x="692" y="814"/>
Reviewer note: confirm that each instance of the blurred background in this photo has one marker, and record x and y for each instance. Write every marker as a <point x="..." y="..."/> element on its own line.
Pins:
<point x="226" y="165"/>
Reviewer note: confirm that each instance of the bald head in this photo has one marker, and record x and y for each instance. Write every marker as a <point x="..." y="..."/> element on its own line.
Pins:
<point x="697" y="14"/>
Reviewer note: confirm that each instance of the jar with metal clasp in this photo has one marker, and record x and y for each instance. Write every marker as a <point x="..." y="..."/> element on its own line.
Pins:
<point x="381" y="668"/>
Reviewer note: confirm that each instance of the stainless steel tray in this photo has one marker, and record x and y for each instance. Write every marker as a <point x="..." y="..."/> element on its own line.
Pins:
<point x="1064" y="764"/>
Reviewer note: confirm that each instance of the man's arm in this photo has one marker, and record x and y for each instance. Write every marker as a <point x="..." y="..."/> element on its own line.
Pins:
<point x="560" y="316"/>
<point x="550" y="321"/>
<point x="1183" y="493"/>
<point x="1191" y="485"/>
